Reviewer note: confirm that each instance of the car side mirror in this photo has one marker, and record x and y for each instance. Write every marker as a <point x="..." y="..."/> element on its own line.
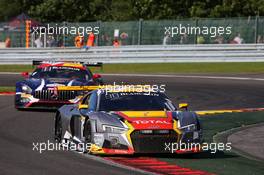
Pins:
<point x="98" y="79"/>
<point x="183" y="106"/>
<point x="25" y="74"/>
<point x="96" y="76"/>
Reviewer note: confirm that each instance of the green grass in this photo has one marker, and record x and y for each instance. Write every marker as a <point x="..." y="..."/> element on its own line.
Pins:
<point x="163" y="68"/>
<point x="16" y="68"/>
<point x="222" y="162"/>
<point x="7" y="89"/>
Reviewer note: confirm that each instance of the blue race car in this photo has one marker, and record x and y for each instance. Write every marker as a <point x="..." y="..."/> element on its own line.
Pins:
<point x="38" y="90"/>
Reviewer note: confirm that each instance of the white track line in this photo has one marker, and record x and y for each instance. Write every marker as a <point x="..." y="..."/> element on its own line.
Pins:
<point x="187" y="76"/>
<point x="169" y="76"/>
<point x="10" y="73"/>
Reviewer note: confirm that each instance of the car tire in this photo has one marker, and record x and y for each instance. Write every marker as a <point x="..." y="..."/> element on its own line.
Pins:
<point x="87" y="134"/>
<point x="58" y="128"/>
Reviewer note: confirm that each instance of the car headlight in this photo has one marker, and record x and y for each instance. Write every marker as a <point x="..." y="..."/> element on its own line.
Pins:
<point x="98" y="139"/>
<point x="114" y="129"/>
<point x="26" y="89"/>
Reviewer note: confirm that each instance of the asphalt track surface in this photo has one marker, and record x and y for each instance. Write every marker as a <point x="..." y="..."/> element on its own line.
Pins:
<point x="18" y="130"/>
<point x="240" y="140"/>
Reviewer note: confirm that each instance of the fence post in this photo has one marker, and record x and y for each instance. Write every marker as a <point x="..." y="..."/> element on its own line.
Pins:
<point x="98" y="36"/>
<point x="256" y="29"/>
<point x="139" y="30"/>
<point x="196" y="25"/>
<point x="64" y="37"/>
<point x="28" y="26"/>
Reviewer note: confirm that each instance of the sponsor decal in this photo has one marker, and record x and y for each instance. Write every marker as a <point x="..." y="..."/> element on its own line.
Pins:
<point x="142" y="122"/>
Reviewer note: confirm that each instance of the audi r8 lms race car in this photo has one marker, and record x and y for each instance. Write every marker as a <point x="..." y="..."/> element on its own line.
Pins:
<point x="38" y="89"/>
<point x="126" y="122"/>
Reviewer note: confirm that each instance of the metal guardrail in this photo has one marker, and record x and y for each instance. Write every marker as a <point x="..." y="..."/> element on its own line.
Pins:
<point x="139" y="54"/>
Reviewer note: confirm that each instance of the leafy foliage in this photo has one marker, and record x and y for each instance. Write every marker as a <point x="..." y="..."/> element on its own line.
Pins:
<point x="121" y="10"/>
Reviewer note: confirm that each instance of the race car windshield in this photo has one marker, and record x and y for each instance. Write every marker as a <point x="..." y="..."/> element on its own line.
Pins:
<point x="134" y="101"/>
<point x="61" y="72"/>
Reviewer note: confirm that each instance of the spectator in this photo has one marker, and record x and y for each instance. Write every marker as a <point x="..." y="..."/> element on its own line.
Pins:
<point x="238" y="39"/>
<point x="106" y="41"/>
<point x="200" y="39"/>
<point x="124" y="38"/>
<point x="184" y="39"/>
<point x="90" y="40"/>
<point x="116" y="43"/>
<point x="51" y="41"/>
<point x="166" y="39"/>
<point x="59" y="43"/>
<point x="260" y="39"/>
<point x="8" y="42"/>
<point x="79" y="41"/>
<point x="38" y="42"/>
<point x="219" y="40"/>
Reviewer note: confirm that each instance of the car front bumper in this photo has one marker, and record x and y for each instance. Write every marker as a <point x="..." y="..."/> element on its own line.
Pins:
<point x="28" y="101"/>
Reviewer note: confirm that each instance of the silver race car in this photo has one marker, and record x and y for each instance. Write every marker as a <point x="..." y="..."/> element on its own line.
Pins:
<point x="126" y="122"/>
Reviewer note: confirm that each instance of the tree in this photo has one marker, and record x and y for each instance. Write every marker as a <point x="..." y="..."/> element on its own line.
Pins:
<point x="12" y="8"/>
<point x="61" y="10"/>
<point x="123" y="10"/>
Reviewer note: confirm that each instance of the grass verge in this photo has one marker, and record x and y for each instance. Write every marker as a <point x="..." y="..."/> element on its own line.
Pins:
<point x="222" y="162"/>
<point x="162" y="68"/>
<point x="7" y="89"/>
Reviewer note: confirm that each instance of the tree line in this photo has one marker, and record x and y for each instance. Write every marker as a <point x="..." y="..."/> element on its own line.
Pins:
<point x="125" y="10"/>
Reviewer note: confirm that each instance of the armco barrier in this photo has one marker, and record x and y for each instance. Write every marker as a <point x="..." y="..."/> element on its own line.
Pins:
<point x="139" y="54"/>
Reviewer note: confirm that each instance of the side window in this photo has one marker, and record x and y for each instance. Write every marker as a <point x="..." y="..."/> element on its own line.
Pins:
<point x="92" y="102"/>
<point x="169" y="105"/>
<point x="88" y="74"/>
<point x="85" y="99"/>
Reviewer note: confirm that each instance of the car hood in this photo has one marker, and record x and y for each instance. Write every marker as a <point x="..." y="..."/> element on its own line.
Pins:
<point x="43" y="84"/>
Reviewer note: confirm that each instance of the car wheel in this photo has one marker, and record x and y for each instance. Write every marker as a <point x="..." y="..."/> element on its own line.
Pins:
<point x="58" y="128"/>
<point x="87" y="134"/>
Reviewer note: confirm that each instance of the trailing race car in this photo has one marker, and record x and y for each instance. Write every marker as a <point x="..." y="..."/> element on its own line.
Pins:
<point x="126" y="122"/>
<point x="38" y="90"/>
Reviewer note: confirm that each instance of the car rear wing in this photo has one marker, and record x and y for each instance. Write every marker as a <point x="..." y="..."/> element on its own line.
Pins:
<point x="36" y="62"/>
<point x="90" y="64"/>
<point x="95" y="64"/>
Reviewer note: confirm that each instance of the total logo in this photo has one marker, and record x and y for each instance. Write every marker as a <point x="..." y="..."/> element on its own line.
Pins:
<point x="151" y="122"/>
